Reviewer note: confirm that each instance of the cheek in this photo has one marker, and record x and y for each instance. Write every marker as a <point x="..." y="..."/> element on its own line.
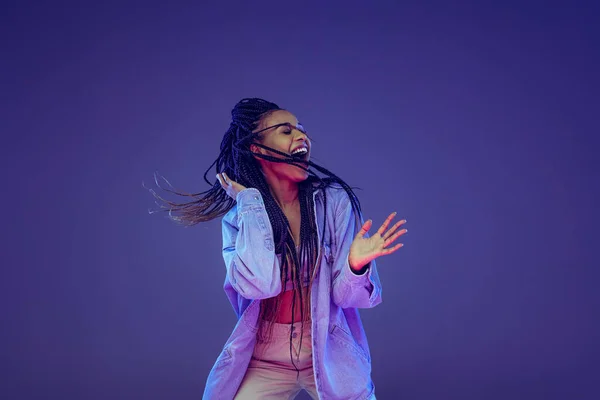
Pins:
<point x="271" y="141"/>
<point x="281" y="144"/>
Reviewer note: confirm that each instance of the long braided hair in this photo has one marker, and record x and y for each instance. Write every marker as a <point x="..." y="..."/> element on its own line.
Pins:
<point x="238" y="162"/>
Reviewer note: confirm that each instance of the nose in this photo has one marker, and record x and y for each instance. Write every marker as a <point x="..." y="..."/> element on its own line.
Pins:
<point x="301" y="135"/>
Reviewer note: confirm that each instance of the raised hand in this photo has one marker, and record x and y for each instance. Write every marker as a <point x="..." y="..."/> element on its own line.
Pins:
<point x="232" y="188"/>
<point x="363" y="250"/>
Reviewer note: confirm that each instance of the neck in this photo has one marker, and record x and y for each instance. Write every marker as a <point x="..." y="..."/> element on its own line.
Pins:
<point x="284" y="191"/>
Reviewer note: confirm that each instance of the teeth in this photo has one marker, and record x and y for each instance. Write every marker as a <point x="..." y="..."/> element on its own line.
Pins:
<point x="301" y="150"/>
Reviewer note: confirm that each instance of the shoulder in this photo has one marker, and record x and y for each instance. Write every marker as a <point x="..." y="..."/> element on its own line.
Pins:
<point x="247" y="199"/>
<point x="336" y="192"/>
<point x="338" y="200"/>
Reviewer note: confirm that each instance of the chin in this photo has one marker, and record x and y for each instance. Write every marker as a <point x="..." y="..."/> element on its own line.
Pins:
<point x="300" y="177"/>
<point x="296" y="174"/>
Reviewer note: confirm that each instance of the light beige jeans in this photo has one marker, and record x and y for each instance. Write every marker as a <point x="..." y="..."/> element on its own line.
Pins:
<point x="271" y="374"/>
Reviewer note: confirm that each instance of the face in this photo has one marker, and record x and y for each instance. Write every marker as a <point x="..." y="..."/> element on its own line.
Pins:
<point x="288" y="137"/>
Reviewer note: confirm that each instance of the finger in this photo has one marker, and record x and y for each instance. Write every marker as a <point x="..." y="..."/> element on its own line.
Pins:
<point x="391" y="240"/>
<point x="229" y="181"/>
<point x="393" y="229"/>
<point x="365" y="228"/>
<point x="385" y="252"/>
<point x="222" y="181"/>
<point x="386" y="223"/>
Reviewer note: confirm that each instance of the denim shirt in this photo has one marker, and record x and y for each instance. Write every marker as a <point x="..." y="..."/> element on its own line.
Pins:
<point x="341" y="356"/>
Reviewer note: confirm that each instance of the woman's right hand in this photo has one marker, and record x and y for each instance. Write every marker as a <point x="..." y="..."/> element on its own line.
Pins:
<point x="231" y="187"/>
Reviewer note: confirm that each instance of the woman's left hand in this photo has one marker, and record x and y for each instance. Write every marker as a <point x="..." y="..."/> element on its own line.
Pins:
<point x="363" y="250"/>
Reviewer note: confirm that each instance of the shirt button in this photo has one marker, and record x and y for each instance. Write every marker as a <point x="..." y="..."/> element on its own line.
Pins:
<point x="294" y="335"/>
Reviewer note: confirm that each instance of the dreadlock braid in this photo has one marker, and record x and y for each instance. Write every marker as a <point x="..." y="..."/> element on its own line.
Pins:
<point x="239" y="162"/>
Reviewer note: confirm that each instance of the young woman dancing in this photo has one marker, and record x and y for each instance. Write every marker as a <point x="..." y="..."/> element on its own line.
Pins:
<point x="299" y="264"/>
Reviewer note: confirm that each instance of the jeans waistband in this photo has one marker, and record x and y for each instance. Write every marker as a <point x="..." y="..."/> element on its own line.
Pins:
<point x="284" y="330"/>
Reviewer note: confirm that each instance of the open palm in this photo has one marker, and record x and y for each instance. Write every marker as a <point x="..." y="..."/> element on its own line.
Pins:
<point x="363" y="250"/>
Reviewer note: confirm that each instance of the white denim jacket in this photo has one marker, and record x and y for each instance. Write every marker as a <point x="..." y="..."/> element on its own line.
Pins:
<point x="341" y="356"/>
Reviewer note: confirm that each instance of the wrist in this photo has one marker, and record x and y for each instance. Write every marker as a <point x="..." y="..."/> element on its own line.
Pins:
<point x="359" y="269"/>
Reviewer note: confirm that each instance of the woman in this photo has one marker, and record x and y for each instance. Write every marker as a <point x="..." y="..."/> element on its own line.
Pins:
<point x="297" y="267"/>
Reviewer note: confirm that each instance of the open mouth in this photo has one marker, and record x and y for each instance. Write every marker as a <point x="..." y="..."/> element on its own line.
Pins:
<point x="300" y="154"/>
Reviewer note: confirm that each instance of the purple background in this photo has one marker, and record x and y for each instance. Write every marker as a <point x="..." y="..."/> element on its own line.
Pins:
<point x="476" y="122"/>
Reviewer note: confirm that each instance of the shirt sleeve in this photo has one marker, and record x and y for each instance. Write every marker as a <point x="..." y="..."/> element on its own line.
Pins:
<point x="253" y="269"/>
<point x="351" y="290"/>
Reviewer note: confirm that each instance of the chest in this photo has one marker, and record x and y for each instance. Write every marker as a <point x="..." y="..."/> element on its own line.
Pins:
<point x="294" y="219"/>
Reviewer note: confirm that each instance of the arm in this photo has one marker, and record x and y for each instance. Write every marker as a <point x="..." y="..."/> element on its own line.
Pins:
<point x="352" y="289"/>
<point x="248" y="251"/>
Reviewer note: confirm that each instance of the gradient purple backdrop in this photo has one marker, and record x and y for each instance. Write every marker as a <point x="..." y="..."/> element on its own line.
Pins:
<point x="478" y="123"/>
